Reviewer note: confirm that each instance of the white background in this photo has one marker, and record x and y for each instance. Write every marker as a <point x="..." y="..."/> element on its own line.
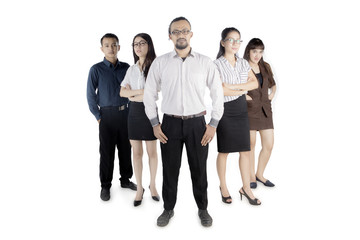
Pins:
<point x="49" y="139"/>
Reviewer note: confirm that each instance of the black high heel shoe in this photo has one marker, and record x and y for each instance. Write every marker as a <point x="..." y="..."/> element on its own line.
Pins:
<point x="224" y="199"/>
<point x="138" y="202"/>
<point x="267" y="183"/>
<point x="251" y="201"/>
<point x="155" y="198"/>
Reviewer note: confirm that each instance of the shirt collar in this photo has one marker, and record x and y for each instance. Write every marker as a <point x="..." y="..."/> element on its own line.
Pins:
<point x="109" y="64"/>
<point x="225" y="60"/>
<point x="174" y="53"/>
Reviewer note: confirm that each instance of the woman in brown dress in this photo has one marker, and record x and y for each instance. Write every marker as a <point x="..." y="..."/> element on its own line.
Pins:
<point x="259" y="110"/>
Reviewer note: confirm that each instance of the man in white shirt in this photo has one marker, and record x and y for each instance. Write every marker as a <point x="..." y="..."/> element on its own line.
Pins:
<point x="182" y="75"/>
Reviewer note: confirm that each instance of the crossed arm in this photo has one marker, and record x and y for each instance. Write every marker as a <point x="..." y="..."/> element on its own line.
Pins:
<point x="240" y="89"/>
<point x="133" y="95"/>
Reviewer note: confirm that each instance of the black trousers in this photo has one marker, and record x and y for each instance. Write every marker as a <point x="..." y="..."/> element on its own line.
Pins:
<point x="190" y="132"/>
<point x="113" y="133"/>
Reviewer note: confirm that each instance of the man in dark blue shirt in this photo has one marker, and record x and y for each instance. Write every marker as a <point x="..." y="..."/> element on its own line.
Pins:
<point x="111" y="111"/>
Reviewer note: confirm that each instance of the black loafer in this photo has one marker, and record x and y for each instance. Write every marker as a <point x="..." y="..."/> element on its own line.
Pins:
<point x="253" y="185"/>
<point x="105" y="194"/>
<point x="130" y="185"/>
<point x="267" y="183"/>
<point x="205" y="218"/>
<point x="164" y="218"/>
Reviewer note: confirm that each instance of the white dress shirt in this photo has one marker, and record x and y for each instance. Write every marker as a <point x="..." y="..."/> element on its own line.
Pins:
<point x="134" y="77"/>
<point x="233" y="75"/>
<point x="183" y="84"/>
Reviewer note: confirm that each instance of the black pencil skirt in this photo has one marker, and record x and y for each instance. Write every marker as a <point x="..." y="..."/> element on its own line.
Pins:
<point x="233" y="132"/>
<point x="139" y="126"/>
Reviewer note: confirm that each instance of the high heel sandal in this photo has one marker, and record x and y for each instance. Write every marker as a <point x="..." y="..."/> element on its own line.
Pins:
<point x="224" y="199"/>
<point x="155" y="198"/>
<point x="138" y="202"/>
<point x="251" y="201"/>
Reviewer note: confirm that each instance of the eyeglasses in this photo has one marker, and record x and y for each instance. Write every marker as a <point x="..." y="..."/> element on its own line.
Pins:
<point x="177" y="32"/>
<point x="233" y="41"/>
<point x="139" y="44"/>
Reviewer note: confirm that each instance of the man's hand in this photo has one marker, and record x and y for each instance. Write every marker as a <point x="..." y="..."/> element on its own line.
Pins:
<point x="208" y="135"/>
<point x="159" y="134"/>
<point x="99" y="121"/>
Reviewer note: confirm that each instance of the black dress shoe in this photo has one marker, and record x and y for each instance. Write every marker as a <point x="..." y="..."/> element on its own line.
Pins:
<point x="267" y="183"/>
<point x="138" y="202"/>
<point x="105" y="194"/>
<point x="164" y="218"/>
<point x="205" y="218"/>
<point x="130" y="185"/>
<point x="253" y="185"/>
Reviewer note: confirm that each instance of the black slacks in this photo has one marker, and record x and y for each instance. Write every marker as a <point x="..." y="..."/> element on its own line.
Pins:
<point x="190" y="132"/>
<point x="113" y="133"/>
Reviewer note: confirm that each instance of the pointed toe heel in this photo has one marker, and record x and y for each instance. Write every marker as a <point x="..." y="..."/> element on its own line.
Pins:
<point x="138" y="202"/>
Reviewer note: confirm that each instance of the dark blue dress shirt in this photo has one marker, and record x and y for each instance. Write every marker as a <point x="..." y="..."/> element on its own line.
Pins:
<point x="103" y="86"/>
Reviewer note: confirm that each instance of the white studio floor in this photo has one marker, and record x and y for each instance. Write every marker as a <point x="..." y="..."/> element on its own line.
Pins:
<point x="49" y="157"/>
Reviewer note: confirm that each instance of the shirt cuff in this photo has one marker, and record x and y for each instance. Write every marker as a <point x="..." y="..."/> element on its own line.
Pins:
<point x="155" y="121"/>
<point x="98" y="116"/>
<point x="214" y="123"/>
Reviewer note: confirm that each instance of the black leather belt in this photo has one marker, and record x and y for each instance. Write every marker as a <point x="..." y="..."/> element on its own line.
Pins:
<point x="119" y="108"/>
<point x="187" y="117"/>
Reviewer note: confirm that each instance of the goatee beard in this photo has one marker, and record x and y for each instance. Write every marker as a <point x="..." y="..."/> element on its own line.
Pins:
<point x="181" y="47"/>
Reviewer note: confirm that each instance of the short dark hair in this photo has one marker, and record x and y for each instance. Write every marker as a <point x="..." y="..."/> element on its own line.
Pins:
<point x="176" y="20"/>
<point x="109" y="35"/>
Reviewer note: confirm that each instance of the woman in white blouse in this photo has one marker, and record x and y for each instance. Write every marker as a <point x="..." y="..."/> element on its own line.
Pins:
<point x="139" y="127"/>
<point x="233" y="133"/>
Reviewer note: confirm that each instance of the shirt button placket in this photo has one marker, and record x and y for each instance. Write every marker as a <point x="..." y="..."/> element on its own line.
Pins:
<point x="182" y="85"/>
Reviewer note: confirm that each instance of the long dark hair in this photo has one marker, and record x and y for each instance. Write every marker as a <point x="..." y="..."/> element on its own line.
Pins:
<point x="224" y="34"/>
<point x="256" y="43"/>
<point x="150" y="56"/>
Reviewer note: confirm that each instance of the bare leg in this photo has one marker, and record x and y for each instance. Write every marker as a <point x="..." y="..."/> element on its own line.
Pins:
<point x="138" y="166"/>
<point x="252" y="155"/>
<point x="221" y="169"/>
<point x="153" y="164"/>
<point x="267" y="143"/>
<point x="244" y="165"/>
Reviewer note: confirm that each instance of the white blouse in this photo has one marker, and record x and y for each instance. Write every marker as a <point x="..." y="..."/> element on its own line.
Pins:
<point x="134" y="77"/>
<point x="233" y="75"/>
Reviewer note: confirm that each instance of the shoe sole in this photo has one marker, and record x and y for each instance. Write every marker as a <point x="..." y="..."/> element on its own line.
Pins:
<point x="206" y="224"/>
<point x="105" y="199"/>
